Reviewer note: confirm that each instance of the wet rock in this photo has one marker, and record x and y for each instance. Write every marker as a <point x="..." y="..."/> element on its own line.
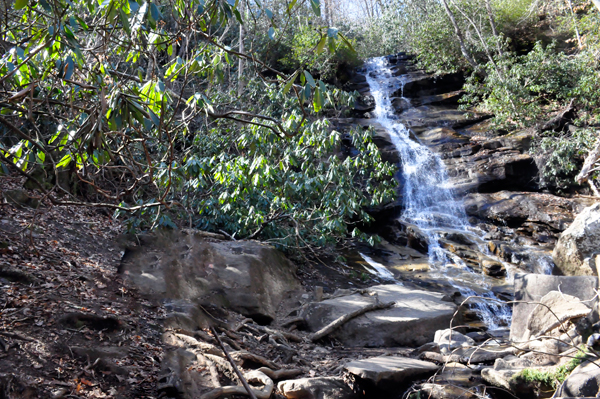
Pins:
<point x="316" y="388"/>
<point x="584" y="381"/>
<point x="451" y="339"/>
<point x="493" y="268"/>
<point x="443" y="139"/>
<point x="245" y="276"/>
<point x="491" y="170"/>
<point x="580" y="241"/>
<point x="418" y="84"/>
<point x="516" y="208"/>
<point x="554" y="309"/>
<point x="412" y="321"/>
<point x="530" y="288"/>
<point x="385" y="372"/>
<point x="426" y="117"/>
<point x="365" y="103"/>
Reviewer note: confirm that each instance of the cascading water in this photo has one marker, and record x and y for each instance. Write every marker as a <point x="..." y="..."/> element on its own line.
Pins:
<point x="429" y="203"/>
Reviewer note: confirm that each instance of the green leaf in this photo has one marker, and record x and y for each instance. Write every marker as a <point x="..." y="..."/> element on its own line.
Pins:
<point x="288" y="85"/>
<point x="321" y="45"/>
<point x="65" y="161"/>
<point x="310" y="79"/>
<point x="291" y="5"/>
<point x="316" y="7"/>
<point x="155" y="12"/>
<point x="271" y="33"/>
<point x="318" y="100"/>
<point x="347" y="42"/>
<point x="19" y="4"/>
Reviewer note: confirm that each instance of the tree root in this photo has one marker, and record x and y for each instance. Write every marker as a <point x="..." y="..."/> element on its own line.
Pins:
<point x="282" y="374"/>
<point x="334" y="325"/>
<point x="240" y="356"/>
<point x="252" y="376"/>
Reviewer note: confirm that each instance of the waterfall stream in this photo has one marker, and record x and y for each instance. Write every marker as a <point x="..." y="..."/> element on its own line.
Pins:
<point x="429" y="203"/>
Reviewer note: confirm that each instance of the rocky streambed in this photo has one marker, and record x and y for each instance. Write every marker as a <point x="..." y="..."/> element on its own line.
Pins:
<point x="447" y="309"/>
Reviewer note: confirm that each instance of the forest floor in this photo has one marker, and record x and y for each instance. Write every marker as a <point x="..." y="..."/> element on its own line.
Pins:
<point x="62" y="301"/>
<point x="71" y="327"/>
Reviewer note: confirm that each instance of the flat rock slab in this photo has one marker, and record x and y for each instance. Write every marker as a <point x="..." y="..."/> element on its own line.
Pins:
<point x="387" y="371"/>
<point x="412" y="321"/>
<point x="532" y="287"/>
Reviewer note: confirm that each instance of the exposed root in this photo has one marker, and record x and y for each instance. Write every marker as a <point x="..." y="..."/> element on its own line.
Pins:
<point x="254" y="376"/>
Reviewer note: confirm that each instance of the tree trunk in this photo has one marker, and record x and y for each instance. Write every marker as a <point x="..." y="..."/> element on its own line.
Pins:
<point x="490" y="13"/>
<point x="463" y="48"/>
<point x="242" y="49"/>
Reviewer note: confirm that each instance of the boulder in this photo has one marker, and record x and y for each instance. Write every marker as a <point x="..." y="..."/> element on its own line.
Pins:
<point x="387" y="372"/>
<point x="584" y="381"/>
<point x="192" y="267"/>
<point x="316" y="388"/>
<point x="531" y="288"/>
<point x="580" y="241"/>
<point x="449" y="339"/>
<point x="554" y="309"/>
<point x="412" y="321"/>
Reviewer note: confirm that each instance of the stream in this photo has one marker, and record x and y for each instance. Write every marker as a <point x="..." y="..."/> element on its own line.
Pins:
<point x="430" y="205"/>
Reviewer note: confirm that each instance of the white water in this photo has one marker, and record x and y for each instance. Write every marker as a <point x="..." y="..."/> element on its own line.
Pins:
<point x="429" y="203"/>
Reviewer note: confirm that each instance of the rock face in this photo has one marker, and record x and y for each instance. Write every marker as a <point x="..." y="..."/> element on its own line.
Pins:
<point x="580" y="241"/>
<point x="584" y="381"/>
<point x="516" y="208"/>
<point x="554" y="309"/>
<point x="316" y="388"/>
<point x="533" y="287"/>
<point x="385" y="372"/>
<point x="245" y="276"/>
<point x="412" y="321"/>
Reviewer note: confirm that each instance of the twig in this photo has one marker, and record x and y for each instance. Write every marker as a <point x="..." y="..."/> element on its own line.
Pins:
<point x="334" y="325"/>
<point x="17" y="336"/>
<point x="235" y="368"/>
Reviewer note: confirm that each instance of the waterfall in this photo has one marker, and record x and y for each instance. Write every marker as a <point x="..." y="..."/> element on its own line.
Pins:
<point x="429" y="202"/>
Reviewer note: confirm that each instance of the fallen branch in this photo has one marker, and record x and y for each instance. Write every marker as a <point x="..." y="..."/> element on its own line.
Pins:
<point x="334" y="325"/>
<point x="249" y="391"/>
<point x="253" y="376"/>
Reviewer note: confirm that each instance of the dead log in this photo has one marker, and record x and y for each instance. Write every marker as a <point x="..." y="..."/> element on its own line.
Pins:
<point x="559" y="122"/>
<point x="334" y="325"/>
<point x="588" y="168"/>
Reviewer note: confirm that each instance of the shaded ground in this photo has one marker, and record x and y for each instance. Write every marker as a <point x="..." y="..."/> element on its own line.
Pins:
<point x="60" y="297"/>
